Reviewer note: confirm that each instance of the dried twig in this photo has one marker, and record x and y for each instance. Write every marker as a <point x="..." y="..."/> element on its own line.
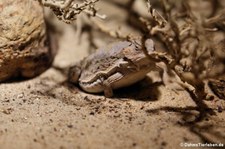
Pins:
<point x="156" y="15"/>
<point x="67" y="10"/>
<point x="186" y="39"/>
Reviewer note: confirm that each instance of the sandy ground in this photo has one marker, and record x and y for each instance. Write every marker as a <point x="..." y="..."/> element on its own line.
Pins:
<point x="48" y="112"/>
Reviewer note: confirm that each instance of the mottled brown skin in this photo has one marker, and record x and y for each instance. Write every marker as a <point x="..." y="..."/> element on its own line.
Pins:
<point x="218" y="87"/>
<point x="120" y="65"/>
<point x="25" y="48"/>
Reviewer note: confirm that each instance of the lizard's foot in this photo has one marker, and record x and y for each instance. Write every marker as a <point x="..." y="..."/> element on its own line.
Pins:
<point x="108" y="91"/>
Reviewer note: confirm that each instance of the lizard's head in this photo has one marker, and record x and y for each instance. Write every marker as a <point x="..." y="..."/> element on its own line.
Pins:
<point x="136" y="53"/>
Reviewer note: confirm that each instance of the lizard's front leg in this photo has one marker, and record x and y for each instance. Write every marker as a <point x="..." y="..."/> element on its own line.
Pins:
<point x="108" y="91"/>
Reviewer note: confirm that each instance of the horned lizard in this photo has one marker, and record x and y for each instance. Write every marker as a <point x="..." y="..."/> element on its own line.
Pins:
<point x="119" y="65"/>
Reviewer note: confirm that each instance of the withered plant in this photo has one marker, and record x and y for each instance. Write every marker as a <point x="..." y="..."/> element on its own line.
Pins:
<point x="195" y="40"/>
<point x="67" y="10"/>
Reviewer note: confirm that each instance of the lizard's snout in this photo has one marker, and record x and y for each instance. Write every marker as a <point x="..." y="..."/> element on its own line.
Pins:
<point x="74" y="74"/>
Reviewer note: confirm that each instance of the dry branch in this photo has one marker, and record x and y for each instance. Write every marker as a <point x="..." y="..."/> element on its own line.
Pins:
<point x="67" y="10"/>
